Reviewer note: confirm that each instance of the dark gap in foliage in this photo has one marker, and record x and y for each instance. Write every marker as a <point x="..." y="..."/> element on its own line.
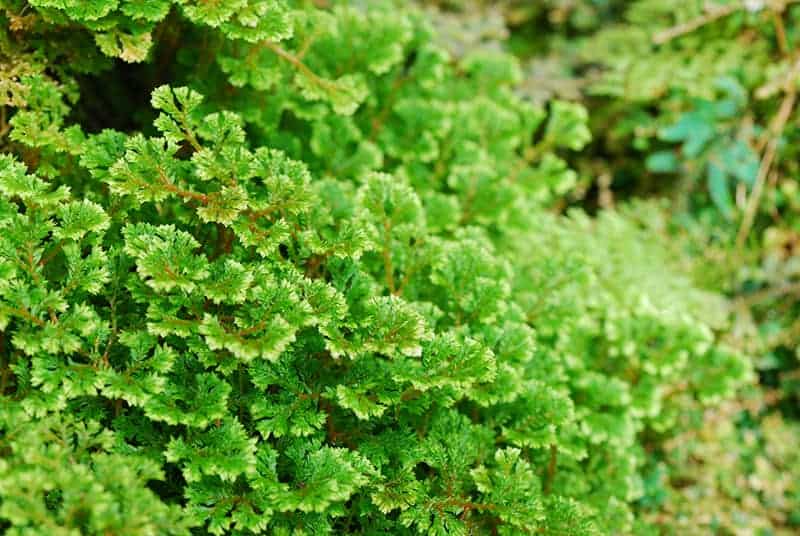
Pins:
<point x="118" y="99"/>
<point x="168" y="490"/>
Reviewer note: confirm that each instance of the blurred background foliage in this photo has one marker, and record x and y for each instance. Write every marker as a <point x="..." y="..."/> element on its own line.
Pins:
<point x="693" y="102"/>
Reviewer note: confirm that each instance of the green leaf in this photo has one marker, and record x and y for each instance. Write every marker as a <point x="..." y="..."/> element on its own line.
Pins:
<point x="224" y="450"/>
<point x="165" y="256"/>
<point x="567" y="125"/>
<point x="719" y="189"/>
<point x="662" y="162"/>
<point x="79" y="219"/>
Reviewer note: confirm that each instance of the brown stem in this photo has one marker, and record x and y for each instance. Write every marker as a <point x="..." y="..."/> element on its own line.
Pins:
<point x="300" y="66"/>
<point x="551" y="469"/>
<point x="252" y="329"/>
<point x="534" y="152"/>
<point x="313" y="265"/>
<point x="254" y="215"/>
<point x="403" y="283"/>
<point x="778" y="123"/>
<point x="605" y="196"/>
<point x="225" y="238"/>
<point x="187" y="132"/>
<point x="22" y="313"/>
<point x="4" y="126"/>
<point x="52" y="254"/>
<point x="769" y="293"/>
<point x="304" y="48"/>
<point x="31" y="266"/>
<point x="713" y="13"/>
<point x="185" y="194"/>
<point x="410" y="394"/>
<point x="334" y="436"/>
<point x="780" y="33"/>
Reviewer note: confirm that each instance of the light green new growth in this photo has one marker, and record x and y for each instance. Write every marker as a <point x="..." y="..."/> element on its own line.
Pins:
<point x="317" y="289"/>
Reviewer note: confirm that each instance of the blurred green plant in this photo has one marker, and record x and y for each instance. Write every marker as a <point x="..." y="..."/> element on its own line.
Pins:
<point x="696" y="102"/>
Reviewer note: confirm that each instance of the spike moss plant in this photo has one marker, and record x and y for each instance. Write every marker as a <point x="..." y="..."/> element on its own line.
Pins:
<point x="313" y="286"/>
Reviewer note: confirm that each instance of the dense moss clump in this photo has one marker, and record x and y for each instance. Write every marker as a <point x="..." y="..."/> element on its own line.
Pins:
<point x="313" y="285"/>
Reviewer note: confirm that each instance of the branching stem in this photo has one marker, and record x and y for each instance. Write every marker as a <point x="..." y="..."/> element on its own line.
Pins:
<point x="300" y="66"/>
<point x="713" y="13"/>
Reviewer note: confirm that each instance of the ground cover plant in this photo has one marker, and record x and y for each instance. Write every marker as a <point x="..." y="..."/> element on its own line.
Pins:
<point x="303" y="268"/>
<point x="695" y="101"/>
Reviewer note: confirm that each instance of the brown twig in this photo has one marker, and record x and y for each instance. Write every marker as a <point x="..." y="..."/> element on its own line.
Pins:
<point x="50" y="256"/>
<point x="188" y="134"/>
<point x="185" y="194"/>
<point x="780" y="32"/>
<point x="306" y="46"/>
<point x="776" y="84"/>
<point x="27" y="315"/>
<point x="605" y="196"/>
<point x="117" y="407"/>
<point x="776" y="127"/>
<point x="224" y="242"/>
<point x="713" y="12"/>
<point x="300" y="66"/>
<point x="768" y="293"/>
<point x="4" y="126"/>
<point x="551" y="469"/>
